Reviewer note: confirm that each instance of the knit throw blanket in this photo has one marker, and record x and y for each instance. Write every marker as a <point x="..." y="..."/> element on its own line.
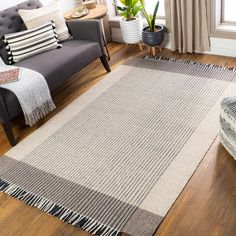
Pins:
<point x="33" y="94"/>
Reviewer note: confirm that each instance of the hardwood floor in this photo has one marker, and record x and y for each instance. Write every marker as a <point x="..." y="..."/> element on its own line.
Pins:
<point x="206" y="207"/>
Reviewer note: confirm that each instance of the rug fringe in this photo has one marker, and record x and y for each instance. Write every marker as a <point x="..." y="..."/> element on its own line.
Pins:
<point x="66" y="215"/>
<point x="188" y="62"/>
<point x="38" y="113"/>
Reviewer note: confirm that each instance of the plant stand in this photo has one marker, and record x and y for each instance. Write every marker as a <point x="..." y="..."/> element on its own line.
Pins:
<point x="139" y="44"/>
<point x="152" y="51"/>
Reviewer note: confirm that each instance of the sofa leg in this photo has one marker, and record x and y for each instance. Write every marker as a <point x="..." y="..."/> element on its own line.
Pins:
<point x="105" y="63"/>
<point x="9" y="133"/>
<point x="5" y="120"/>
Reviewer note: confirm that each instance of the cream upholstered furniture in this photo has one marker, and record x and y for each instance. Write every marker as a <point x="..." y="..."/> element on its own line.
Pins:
<point x="228" y="125"/>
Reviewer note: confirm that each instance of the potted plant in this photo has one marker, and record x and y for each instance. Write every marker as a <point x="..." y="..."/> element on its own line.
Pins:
<point x="131" y="25"/>
<point x="153" y="34"/>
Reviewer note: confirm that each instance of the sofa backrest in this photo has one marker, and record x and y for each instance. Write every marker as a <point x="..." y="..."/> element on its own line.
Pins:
<point x="11" y="22"/>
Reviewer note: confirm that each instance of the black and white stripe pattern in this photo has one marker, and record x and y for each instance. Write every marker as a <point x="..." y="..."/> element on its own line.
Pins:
<point x="51" y="208"/>
<point x="188" y="62"/>
<point x="30" y="42"/>
<point x="228" y="125"/>
<point x="123" y="144"/>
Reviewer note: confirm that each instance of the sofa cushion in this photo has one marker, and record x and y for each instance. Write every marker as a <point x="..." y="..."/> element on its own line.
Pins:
<point x="27" y="43"/>
<point x="56" y="66"/>
<point x="59" y="65"/>
<point x="51" y="12"/>
<point x="11" y="22"/>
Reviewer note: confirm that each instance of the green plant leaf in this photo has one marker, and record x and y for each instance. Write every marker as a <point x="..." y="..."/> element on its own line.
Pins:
<point x="151" y="18"/>
<point x="156" y="9"/>
<point x="123" y="2"/>
<point x="120" y="8"/>
<point x="129" y="9"/>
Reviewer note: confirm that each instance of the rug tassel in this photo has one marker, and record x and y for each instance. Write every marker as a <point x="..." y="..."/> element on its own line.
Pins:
<point x="66" y="215"/>
<point x="188" y="62"/>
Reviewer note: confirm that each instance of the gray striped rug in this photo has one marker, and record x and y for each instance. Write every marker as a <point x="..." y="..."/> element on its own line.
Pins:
<point x="116" y="159"/>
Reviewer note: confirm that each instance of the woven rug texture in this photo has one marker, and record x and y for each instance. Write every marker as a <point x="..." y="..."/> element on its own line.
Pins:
<point x="117" y="158"/>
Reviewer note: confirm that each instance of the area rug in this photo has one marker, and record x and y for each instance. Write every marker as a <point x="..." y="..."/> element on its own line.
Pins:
<point x="117" y="158"/>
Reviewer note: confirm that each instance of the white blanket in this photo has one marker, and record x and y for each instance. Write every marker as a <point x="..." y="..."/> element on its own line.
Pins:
<point x="33" y="94"/>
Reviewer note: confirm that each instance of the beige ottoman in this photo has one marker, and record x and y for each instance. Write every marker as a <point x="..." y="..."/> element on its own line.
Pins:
<point x="228" y="125"/>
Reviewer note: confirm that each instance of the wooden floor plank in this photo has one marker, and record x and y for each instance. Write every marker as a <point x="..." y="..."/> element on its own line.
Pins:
<point x="207" y="206"/>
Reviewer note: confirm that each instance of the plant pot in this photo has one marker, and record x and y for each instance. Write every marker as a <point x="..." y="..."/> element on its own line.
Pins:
<point x="153" y="38"/>
<point x="131" y="30"/>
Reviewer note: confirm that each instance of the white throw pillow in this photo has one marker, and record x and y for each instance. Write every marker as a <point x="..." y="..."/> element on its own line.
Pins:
<point x="36" y="17"/>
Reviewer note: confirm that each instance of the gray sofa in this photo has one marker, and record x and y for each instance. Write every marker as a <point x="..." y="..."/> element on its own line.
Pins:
<point x="56" y="65"/>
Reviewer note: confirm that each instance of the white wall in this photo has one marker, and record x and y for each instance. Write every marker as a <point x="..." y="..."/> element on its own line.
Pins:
<point x="111" y="8"/>
<point x="65" y="4"/>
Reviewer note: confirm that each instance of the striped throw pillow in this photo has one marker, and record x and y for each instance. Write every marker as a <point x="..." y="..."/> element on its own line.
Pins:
<point x="30" y="42"/>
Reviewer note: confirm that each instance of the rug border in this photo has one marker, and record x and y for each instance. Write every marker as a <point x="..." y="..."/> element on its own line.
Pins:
<point x="56" y="210"/>
<point x="189" y="62"/>
<point x="80" y="104"/>
<point x="18" y="189"/>
<point x="203" y="126"/>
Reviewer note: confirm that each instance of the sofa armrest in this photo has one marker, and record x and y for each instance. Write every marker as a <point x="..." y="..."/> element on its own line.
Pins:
<point x="87" y="30"/>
